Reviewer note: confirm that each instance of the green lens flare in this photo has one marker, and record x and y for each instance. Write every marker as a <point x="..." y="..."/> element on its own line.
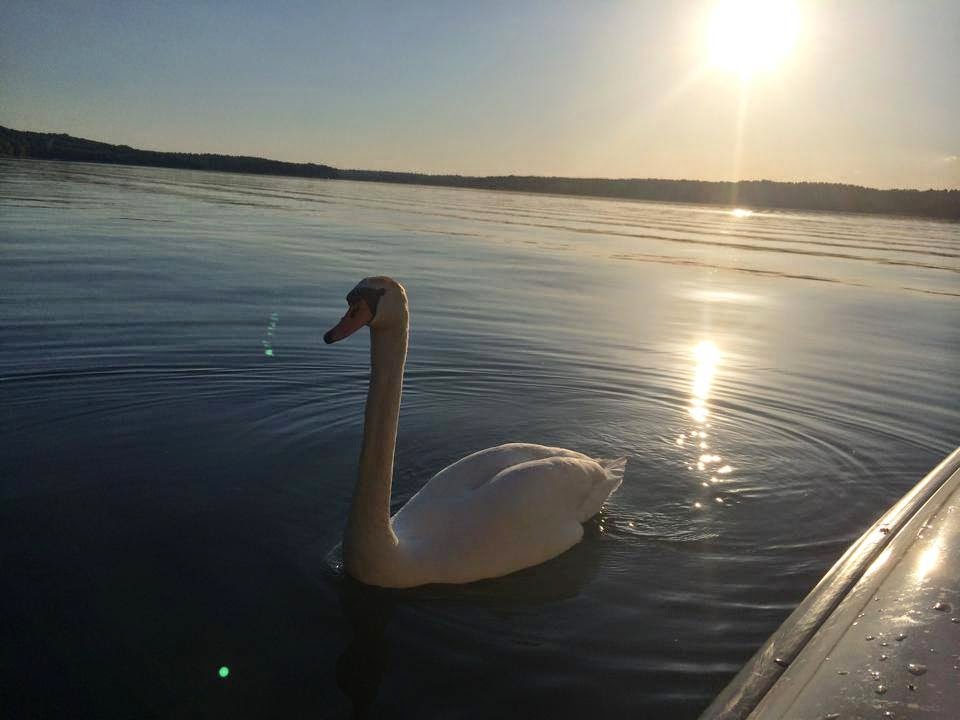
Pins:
<point x="224" y="671"/>
<point x="267" y="342"/>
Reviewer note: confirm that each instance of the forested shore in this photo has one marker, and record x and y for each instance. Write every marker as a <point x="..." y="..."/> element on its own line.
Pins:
<point x="832" y="197"/>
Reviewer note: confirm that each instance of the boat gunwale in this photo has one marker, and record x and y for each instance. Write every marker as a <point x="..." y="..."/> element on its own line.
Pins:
<point x="742" y="695"/>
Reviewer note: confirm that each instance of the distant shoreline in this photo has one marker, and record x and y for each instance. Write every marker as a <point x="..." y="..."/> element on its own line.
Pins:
<point x="830" y="197"/>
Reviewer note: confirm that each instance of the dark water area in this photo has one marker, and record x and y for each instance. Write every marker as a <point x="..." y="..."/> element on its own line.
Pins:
<point x="179" y="447"/>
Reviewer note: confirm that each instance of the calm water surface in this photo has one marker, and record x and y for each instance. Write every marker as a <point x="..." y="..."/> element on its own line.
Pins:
<point x="179" y="447"/>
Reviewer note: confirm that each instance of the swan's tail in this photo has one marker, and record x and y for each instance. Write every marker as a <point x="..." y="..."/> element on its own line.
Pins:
<point x="613" y="469"/>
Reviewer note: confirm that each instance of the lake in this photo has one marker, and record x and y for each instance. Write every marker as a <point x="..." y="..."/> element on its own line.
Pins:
<point x="179" y="446"/>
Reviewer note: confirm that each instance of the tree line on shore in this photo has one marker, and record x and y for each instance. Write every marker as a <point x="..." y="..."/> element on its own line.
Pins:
<point x="749" y="193"/>
<point x="49" y="146"/>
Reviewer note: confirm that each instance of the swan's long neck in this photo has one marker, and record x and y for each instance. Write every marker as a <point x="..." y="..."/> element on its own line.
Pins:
<point x="369" y="541"/>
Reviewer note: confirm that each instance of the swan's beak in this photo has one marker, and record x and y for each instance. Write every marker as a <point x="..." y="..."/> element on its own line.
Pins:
<point x="357" y="316"/>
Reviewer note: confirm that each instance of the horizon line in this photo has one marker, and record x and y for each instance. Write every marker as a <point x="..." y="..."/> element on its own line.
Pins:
<point x="504" y="175"/>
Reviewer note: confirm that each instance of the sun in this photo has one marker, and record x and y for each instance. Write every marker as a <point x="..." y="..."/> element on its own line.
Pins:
<point x="748" y="36"/>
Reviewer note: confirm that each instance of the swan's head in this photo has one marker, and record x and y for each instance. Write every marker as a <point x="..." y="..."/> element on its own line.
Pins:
<point x="379" y="302"/>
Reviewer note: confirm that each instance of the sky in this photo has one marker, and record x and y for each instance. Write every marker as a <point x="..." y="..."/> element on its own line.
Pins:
<point x="869" y="93"/>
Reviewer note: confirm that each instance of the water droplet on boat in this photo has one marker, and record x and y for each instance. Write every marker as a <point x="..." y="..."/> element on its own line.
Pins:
<point x="888" y="714"/>
<point x="941" y="606"/>
<point x="860" y="615"/>
<point x="875" y="674"/>
<point x="842" y="672"/>
<point x="884" y="644"/>
<point x="880" y="689"/>
<point x="869" y="637"/>
<point x="916" y="669"/>
<point x="955" y="620"/>
<point x="831" y="716"/>
<point x="781" y="662"/>
<point x="911" y="687"/>
<point x="900" y="637"/>
<point x="883" y="658"/>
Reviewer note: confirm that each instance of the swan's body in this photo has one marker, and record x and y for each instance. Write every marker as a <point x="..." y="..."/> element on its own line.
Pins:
<point x="492" y="513"/>
<point x="501" y="510"/>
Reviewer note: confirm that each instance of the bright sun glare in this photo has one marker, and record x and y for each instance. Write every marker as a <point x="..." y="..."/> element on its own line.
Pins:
<point x="747" y="36"/>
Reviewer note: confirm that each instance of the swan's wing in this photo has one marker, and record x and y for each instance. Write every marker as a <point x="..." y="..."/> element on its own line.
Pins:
<point x="479" y="468"/>
<point x="561" y="486"/>
<point x="528" y="513"/>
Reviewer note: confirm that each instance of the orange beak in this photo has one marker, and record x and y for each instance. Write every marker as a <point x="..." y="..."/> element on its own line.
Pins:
<point x="357" y="316"/>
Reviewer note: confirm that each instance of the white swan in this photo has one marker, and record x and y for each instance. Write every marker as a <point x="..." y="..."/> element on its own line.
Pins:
<point x="492" y="513"/>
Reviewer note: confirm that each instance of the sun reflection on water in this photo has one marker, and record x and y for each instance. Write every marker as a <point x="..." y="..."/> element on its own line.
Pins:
<point x="707" y="356"/>
<point x="700" y="458"/>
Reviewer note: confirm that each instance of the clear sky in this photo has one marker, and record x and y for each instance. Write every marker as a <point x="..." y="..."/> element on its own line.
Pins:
<point x="869" y="93"/>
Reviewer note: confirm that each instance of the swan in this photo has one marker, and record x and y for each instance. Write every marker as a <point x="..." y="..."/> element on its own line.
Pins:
<point x="489" y="514"/>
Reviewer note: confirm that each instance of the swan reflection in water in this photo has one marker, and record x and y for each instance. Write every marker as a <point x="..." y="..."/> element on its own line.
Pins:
<point x="369" y="610"/>
<point x="361" y="666"/>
